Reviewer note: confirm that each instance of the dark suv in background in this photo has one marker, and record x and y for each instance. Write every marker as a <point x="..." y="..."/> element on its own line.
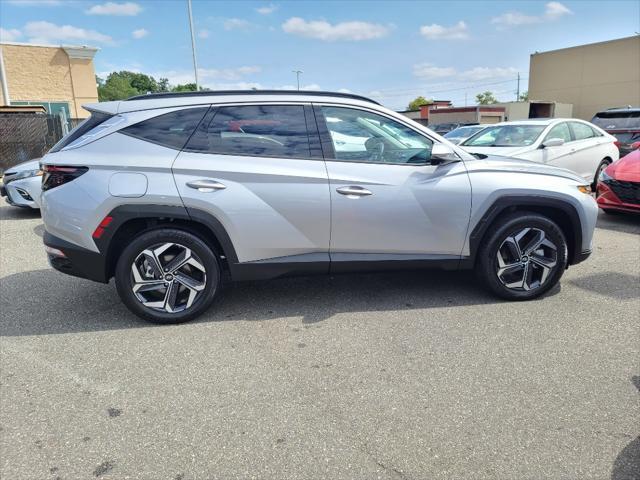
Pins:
<point x="622" y="123"/>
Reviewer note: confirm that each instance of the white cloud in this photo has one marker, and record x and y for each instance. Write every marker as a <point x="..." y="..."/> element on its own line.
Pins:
<point x="344" y="90"/>
<point x="267" y="9"/>
<point x="487" y="73"/>
<point x="128" y="9"/>
<point x="47" y="32"/>
<point x="553" y="11"/>
<point x="322" y="30"/>
<point x="311" y="87"/>
<point x="236" y="24"/>
<point x="10" y="35"/>
<point x="204" y="33"/>
<point x="459" y="31"/>
<point x="429" y="71"/>
<point x="139" y="33"/>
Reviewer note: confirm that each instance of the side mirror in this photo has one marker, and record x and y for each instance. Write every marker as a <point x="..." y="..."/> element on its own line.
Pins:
<point x="553" y="142"/>
<point x="441" y="154"/>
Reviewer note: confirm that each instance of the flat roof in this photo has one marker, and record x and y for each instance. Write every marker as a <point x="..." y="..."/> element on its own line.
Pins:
<point x="43" y="45"/>
<point x="588" y="44"/>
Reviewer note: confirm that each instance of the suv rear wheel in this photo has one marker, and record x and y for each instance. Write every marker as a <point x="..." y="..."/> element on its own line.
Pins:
<point x="524" y="257"/>
<point x="167" y="276"/>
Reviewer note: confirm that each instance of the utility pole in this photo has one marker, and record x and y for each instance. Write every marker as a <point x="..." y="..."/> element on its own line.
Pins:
<point x="518" y="91"/>
<point x="465" y="99"/>
<point x="193" y="45"/>
<point x="297" y="72"/>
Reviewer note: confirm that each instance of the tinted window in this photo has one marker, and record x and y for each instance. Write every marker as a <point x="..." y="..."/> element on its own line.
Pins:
<point x="170" y="130"/>
<point x="560" y="131"/>
<point x="361" y="136"/>
<point x="86" y="126"/>
<point x="254" y="130"/>
<point x="618" y="120"/>
<point x="582" y="131"/>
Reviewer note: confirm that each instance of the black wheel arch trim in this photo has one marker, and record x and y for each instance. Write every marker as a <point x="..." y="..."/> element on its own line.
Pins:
<point x="160" y="214"/>
<point x="507" y="203"/>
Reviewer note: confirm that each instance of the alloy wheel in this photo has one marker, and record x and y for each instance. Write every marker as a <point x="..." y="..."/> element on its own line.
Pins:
<point x="526" y="259"/>
<point x="168" y="277"/>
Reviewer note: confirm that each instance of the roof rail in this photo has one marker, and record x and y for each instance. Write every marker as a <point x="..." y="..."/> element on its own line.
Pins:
<point x="211" y="93"/>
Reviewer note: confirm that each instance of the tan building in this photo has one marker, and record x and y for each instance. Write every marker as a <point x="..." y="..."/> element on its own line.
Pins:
<point x="61" y="78"/>
<point x="592" y="77"/>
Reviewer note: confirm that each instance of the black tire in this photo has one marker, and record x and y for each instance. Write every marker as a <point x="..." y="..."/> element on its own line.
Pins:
<point x="200" y="251"/>
<point x="487" y="266"/>
<point x="603" y="164"/>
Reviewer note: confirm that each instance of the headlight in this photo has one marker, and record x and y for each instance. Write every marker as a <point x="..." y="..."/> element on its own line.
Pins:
<point x="604" y="177"/>
<point x="27" y="174"/>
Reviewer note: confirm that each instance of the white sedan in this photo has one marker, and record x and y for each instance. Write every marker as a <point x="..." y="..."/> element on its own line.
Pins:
<point x="568" y="143"/>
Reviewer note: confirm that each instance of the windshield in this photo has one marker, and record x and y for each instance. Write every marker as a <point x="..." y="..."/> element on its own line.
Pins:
<point x="506" y="136"/>
<point x="463" y="132"/>
<point x="618" y="120"/>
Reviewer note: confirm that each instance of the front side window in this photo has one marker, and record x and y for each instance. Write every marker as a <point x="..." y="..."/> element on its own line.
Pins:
<point x="560" y="131"/>
<point x="506" y="136"/>
<point x="361" y="136"/>
<point x="171" y="130"/>
<point x="582" y="131"/>
<point x="254" y="130"/>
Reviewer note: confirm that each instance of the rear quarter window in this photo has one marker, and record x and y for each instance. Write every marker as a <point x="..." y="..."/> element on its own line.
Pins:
<point x="170" y="130"/>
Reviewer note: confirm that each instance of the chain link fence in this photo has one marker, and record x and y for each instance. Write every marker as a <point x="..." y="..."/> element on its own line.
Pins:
<point x="24" y="136"/>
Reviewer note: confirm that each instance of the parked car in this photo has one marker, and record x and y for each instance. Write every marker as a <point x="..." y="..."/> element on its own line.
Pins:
<point x="619" y="185"/>
<point x="568" y="143"/>
<point x="168" y="195"/>
<point x="622" y="123"/>
<point x="442" y="128"/>
<point x="460" y="134"/>
<point x="21" y="184"/>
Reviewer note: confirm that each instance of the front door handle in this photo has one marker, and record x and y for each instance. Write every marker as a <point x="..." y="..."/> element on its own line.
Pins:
<point x="206" y="186"/>
<point x="354" y="191"/>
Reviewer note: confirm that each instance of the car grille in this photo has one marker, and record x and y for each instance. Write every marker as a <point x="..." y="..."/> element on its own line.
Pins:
<point x="628" y="192"/>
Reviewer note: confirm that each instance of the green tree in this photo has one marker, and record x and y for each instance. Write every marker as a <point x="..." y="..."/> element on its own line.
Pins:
<point x="163" y="85"/>
<point x="185" y="87"/>
<point x="417" y="102"/>
<point x="524" y="96"/>
<point x="486" y="98"/>
<point x="116" y="88"/>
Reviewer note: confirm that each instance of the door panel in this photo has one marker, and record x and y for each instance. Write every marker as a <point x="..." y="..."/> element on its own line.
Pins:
<point x="270" y="207"/>
<point x="386" y="197"/>
<point x="420" y="210"/>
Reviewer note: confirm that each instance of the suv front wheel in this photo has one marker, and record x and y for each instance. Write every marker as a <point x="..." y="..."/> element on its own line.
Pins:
<point x="524" y="257"/>
<point x="167" y="276"/>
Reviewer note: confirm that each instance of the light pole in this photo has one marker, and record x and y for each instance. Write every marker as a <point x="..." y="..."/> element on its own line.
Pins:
<point x="297" y="72"/>
<point x="193" y="45"/>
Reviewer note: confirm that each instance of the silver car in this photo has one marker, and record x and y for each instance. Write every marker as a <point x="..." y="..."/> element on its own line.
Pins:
<point x="172" y="193"/>
<point x="21" y="184"/>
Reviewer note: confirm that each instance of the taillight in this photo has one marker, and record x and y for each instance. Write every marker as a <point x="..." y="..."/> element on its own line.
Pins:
<point x="54" y="176"/>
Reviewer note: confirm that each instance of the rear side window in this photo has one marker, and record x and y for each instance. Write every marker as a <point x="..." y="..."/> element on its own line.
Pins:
<point x="171" y="130"/>
<point x="582" y="131"/>
<point x="86" y="126"/>
<point x="254" y="130"/>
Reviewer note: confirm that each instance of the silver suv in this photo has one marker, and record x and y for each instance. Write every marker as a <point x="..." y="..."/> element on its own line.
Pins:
<point x="172" y="194"/>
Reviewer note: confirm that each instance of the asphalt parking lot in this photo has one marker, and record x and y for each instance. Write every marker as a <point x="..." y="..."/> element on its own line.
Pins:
<point x="403" y="376"/>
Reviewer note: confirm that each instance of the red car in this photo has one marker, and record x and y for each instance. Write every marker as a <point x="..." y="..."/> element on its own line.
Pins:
<point x="619" y="185"/>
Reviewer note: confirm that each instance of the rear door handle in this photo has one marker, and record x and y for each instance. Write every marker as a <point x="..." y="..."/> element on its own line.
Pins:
<point x="353" y="191"/>
<point x="206" y="186"/>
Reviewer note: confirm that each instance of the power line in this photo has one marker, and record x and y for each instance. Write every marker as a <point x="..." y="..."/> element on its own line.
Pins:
<point x="401" y="92"/>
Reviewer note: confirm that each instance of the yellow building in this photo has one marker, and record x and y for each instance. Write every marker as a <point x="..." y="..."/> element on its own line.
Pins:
<point x="592" y="77"/>
<point x="61" y="78"/>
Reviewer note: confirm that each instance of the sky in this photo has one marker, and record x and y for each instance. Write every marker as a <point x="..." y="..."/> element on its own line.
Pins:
<point x="391" y="51"/>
